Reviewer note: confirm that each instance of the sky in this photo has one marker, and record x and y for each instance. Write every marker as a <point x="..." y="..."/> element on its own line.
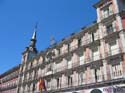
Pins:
<point x="58" y="18"/>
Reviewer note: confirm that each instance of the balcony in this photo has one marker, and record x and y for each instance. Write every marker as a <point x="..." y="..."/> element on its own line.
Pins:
<point x="96" y="59"/>
<point x="73" y="47"/>
<point x="109" y="13"/>
<point x="117" y="74"/>
<point x="93" y="58"/>
<point x="59" y="69"/>
<point x="75" y="64"/>
<point x="49" y="73"/>
<point x="95" y="41"/>
<point x="91" y="82"/>
<point x="86" y="41"/>
<point x="108" y="17"/>
<point x="10" y="77"/>
<point x="113" y="52"/>
<point x="8" y="87"/>
<point x="111" y="33"/>
<point x="65" y="69"/>
<point x="66" y="53"/>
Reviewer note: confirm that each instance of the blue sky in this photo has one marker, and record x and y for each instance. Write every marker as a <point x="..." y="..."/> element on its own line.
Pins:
<point x="58" y="18"/>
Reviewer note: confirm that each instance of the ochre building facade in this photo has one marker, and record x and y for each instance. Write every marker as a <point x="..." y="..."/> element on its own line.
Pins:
<point x="90" y="61"/>
<point x="9" y="80"/>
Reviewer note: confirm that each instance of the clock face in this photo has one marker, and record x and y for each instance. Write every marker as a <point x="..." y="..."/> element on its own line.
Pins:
<point x="31" y="48"/>
<point x="31" y="55"/>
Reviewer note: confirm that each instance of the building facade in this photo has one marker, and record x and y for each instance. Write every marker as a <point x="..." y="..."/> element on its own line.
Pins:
<point x="8" y="80"/>
<point x="91" y="61"/>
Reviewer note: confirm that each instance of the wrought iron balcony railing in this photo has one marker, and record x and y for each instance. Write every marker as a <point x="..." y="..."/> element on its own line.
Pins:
<point x="81" y="83"/>
<point x="113" y="52"/>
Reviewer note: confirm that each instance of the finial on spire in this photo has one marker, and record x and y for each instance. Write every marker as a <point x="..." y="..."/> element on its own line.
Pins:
<point x="52" y="40"/>
<point x="33" y="39"/>
<point x="34" y="35"/>
<point x="35" y="31"/>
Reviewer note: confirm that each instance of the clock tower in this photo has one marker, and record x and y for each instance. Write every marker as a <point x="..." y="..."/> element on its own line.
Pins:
<point x="31" y="50"/>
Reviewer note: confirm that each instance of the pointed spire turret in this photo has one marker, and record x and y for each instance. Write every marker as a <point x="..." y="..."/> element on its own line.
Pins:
<point x="34" y="35"/>
<point x="33" y="39"/>
<point x="35" y="31"/>
<point x="31" y="51"/>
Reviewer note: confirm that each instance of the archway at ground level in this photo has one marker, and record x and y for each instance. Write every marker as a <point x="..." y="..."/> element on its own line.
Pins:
<point x="96" y="91"/>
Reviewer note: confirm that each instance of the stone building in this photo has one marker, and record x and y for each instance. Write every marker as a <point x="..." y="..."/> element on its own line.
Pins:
<point x="91" y="61"/>
<point x="8" y="80"/>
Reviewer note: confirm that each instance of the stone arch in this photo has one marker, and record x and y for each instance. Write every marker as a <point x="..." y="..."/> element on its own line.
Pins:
<point x="96" y="91"/>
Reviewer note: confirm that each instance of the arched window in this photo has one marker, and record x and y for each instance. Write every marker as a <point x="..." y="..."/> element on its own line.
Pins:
<point x="96" y="91"/>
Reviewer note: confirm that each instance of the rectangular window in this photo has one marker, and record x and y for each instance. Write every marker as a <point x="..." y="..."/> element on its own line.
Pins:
<point x="116" y="71"/>
<point x="109" y="29"/>
<point x="57" y="82"/>
<point x="79" y="42"/>
<point x="95" y="53"/>
<point x="33" y="87"/>
<point x="69" y="64"/>
<point x="62" y="51"/>
<point x="107" y="11"/>
<point x="59" y="51"/>
<point x="110" y="10"/>
<point x="113" y="47"/>
<point x="81" y="78"/>
<point x="49" y="67"/>
<point x="96" y="34"/>
<point x="93" y="37"/>
<point x="68" y="47"/>
<point x="88" y="38"/>
<point x="69" y="80"/>
<point x="124" y="34"/>
<point x="24" y="58"/>
<point x="96" y="75"/>
<point x="81" y="59"/>
<point x="122" y="5"/>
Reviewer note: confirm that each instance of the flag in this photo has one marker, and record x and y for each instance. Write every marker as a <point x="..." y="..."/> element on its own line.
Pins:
<point x="42" y="85"/>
